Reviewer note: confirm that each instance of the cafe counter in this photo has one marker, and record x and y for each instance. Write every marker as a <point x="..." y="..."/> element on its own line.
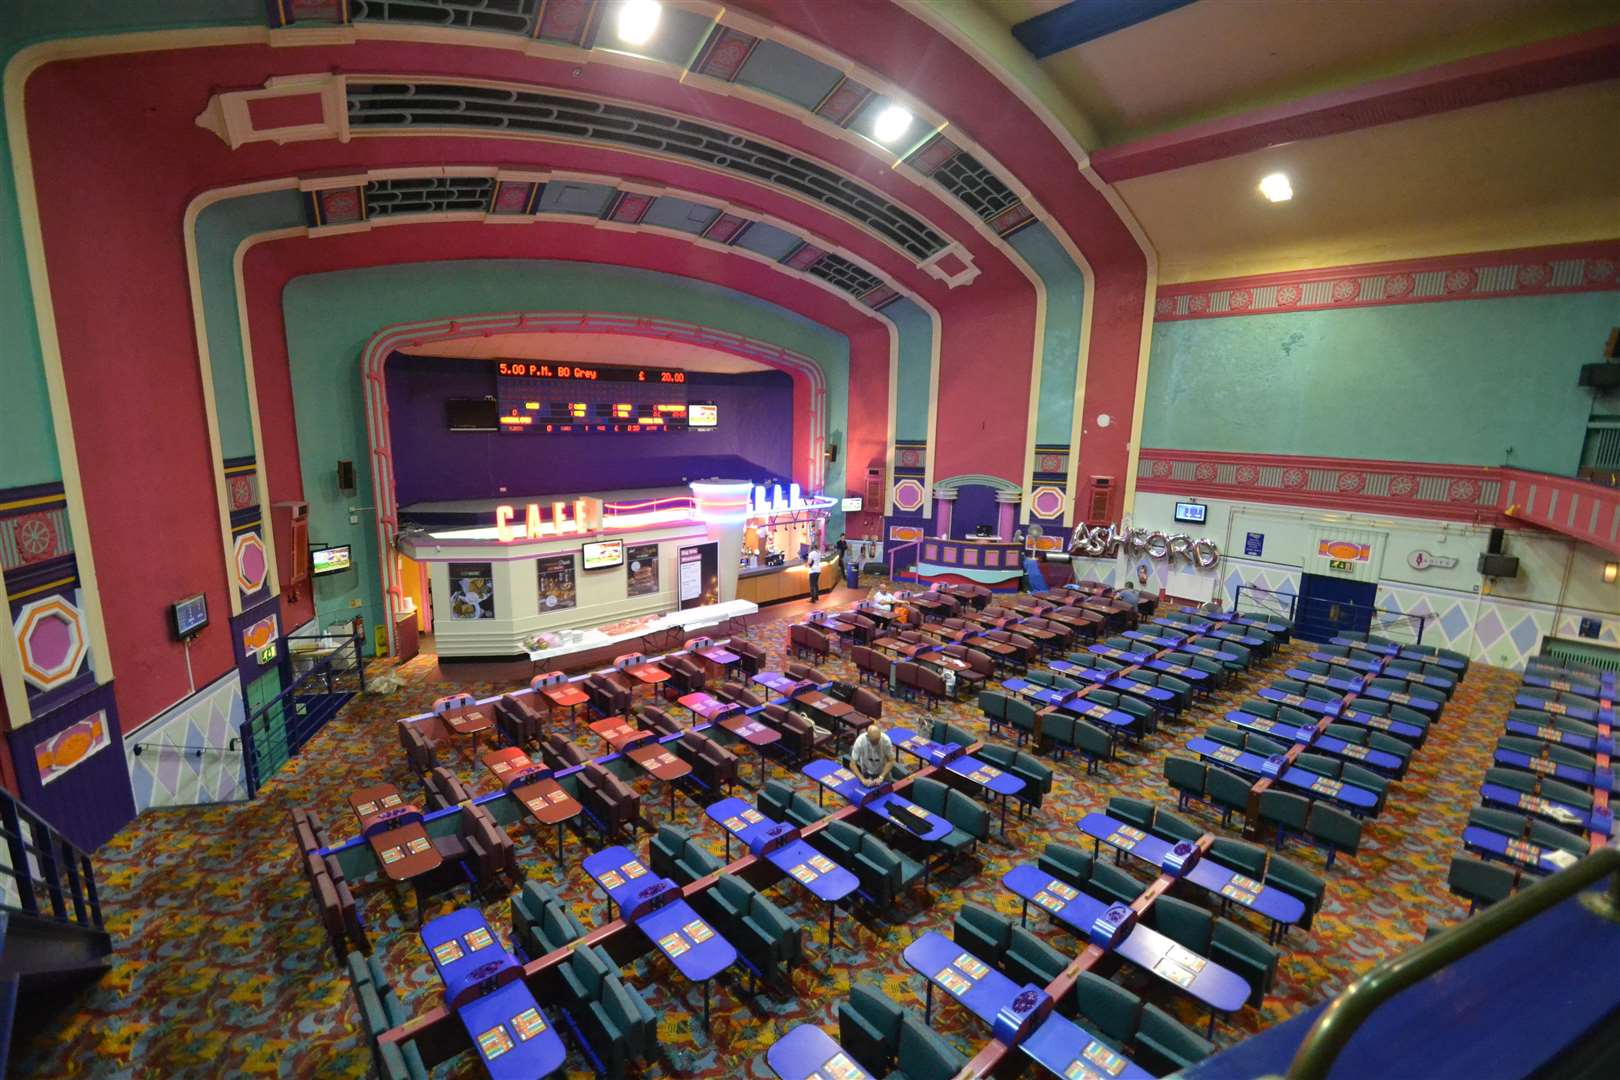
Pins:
<point x="790" y="581"/>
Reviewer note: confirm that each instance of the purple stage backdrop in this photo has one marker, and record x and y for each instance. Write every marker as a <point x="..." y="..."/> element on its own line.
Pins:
<point x="754" y="439"/>
<point x="975" y="505"/>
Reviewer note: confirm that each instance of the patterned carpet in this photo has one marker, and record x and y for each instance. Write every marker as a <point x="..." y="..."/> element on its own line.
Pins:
<point x="222" y="969"/>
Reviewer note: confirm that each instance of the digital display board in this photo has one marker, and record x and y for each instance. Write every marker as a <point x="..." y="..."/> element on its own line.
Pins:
<point x="190" y="615"/>
<point x="542" y="397"/>
<point x="1191" y="512"/>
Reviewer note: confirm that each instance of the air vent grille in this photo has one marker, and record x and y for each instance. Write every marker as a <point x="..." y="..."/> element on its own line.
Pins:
<point x="966" y="178"/>
<point x="428" y="195"/>
<point x="380" y="106"/>
<point x="845" y="274"/>
<point x="501" y="16"/>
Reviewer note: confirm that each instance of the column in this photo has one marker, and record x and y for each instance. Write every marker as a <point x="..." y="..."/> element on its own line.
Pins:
<point x="943" y="498"/>
<point x="1007" y="503"/>
<point x="722" y="506"/>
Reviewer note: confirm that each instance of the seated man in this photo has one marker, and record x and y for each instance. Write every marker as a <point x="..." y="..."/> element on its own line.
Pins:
<point x="882" y="598"/>
<point x="871" y="758"/>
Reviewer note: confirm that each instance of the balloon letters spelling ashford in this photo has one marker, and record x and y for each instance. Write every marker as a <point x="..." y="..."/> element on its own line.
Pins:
<point x="1098" y="541"/>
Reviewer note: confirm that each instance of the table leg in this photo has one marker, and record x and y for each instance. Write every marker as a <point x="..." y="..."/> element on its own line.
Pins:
<point x="1004" y="817"/>
<point x="1023" y="916"/>
<point x="928" y="1007"/>
<point x="706" y="1009"/>
<point x="832" y="912"/>
<point x="559" y="843"/>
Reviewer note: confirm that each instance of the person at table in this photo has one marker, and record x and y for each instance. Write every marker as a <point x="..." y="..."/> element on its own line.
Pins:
<point x="871" y="758"/>
<point x="813" y="562"/>
<point x="882" y="598"/>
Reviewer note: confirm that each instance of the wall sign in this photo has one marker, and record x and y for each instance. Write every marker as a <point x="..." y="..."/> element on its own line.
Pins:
<point x="1422" y="560"/>
<point x="1254" y="544"/>
<point x="1344" y="551"/>
<point x="472" y="590"/>
<point x="641" y="570"/>
<point x="1098" y="541"/>
<point x="1339" y="564"/>
<point x="555" y="582"/>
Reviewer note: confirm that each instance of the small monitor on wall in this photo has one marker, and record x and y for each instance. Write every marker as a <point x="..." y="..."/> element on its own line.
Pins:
<point x="329" y="560"/>
<point x="190" y="616"/>
<point x="852" y="505"/>
<point x="602" y="554"/>
<point x="1192" y="513"/>
<point x="702" y="415"/>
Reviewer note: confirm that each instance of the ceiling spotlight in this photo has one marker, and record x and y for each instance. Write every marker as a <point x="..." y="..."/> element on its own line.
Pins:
<point x="638" y="20"/>
<point x="1276" y="187"/>
<point x="891" y="123"/>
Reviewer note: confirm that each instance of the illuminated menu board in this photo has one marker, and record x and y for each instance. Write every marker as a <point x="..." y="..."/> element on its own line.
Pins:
<point x="543" y="397"/>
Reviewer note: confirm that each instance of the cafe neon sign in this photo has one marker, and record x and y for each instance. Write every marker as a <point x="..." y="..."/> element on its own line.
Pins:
<point x="536" y="528"/>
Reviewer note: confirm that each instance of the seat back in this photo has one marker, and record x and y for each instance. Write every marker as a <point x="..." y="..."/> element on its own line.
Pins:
<point x="1186" y="924"/>
<point x="1113" y="1011"/>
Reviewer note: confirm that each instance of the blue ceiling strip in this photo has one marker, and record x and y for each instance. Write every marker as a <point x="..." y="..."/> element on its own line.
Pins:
<point x="1080" y="21"/>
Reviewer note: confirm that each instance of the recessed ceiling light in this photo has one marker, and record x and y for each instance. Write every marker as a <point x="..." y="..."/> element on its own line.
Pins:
<point x="638" y="20"/>
<point x="1276" y="187"/>
<point x="891" y="123"/>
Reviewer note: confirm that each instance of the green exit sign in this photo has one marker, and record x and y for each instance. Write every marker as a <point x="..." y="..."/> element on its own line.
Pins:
<point x="266" y="655"/>
<point x="1339" y="564"/>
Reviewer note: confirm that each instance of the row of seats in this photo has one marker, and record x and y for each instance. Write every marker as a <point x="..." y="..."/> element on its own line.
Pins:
<point x="970" y="821"/>
<point x="769" y="942"/>
<point x="884" y="873"/>
<point x="618" y="1027"/>
<point x="380" y="1011"/>
<point x="807" y="640"/>
<point x="1035" y="774"/>
<point x="779" y="802"/>
<point x="334" y="901"/>
<point x="1293" y="816"/>
<point x="879" y="1034"/>
<point x="608" y="800"/>
<point x="1148" y="1034"/>
<point x="675" y="855"/>
<point x="542" y="922"/>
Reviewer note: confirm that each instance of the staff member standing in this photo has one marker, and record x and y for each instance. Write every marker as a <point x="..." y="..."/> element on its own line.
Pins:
<point x="813" y="562"/>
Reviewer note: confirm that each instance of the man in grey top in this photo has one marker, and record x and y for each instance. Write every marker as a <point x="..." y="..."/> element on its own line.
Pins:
<point x="871" y="759"/>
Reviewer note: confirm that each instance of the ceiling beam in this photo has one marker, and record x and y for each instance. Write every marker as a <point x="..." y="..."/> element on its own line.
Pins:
<point x="1591" y="56"/>
<point x="1080" y="21"/>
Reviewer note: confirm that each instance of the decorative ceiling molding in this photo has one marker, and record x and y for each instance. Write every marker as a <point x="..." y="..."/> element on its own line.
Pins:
<point x="1592" y="56"/>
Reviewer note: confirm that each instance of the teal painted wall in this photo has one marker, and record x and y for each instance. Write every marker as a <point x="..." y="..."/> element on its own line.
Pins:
<point x="1060" y="349"/>
<point x="330" y="317"/>
<point x="220" y="228"/>
<point x="1455" y="383"/>
<point x="915" y="363"/>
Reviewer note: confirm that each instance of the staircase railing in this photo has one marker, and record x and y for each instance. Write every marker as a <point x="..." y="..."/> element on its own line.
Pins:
<point x="43" y="874"/>
<point x="895" y="551"/>
<point x="1347" y="1012"/>
<point x="279" y="728"/>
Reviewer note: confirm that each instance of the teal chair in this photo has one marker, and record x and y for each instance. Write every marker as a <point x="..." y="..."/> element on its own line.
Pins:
<point x="1186" y="924"/>
<point x="1036" y="775"/>
<point x="1170" y="826"/>
<point x="993" y="703"/>
<point x="1068" y="863"/>
<point x="1245" y="953"/>
<point x="1226" y="736"/>
<point x="1137" y="812"/>
<point x="923" y="1054"/>
<point x="1165" y="1045"/>
<point x="1480" y="883"/>
<point x="774" y="799"/>
<point x="1113" y="884"/>
<point x="1094" y="744"/>
<point x="1300" y="883"/>
<point x="869" y="1028"/>
<point x="401" y="1061"/>
<point x="982" y="932"/>
<point x="967" y="817"/>
<point x="1228" y="791"/>
<point x="1108" y="1011"/>
<point x="885" y="874"/>
<point x="618" y="1025"/>
<point x="1285" y="811"/>
<point x="1021" y="717"/>
<point x="1028" y="959"/>
<point x="1262" y="745"/>
<point x="1186" y="778"/>
<point x="1335" y="831"/>
<point x="542" y="921"/>
<point x="1239" y="855"/>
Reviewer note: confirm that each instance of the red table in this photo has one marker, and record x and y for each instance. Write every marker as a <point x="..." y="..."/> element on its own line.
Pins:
<point x="549" y="804"/>
<point x="648" y="675"/>
<point x="661" y="763"/>
<point x="618" y="732"/>
<point x="377" y="803"/>
<point x="566" y="696"/>
<point x="469" y="721"/>
<point x="755" y="734"/>
<point x="509" y="764"/>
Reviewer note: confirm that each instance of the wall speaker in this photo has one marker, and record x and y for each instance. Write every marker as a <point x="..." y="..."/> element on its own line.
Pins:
<point x="832" y="451"/>
<point x="1604" y="376"/>
<point x="345" y="477"/>
<point x="1495" y="546"/>
<point x="1499" y="565"/>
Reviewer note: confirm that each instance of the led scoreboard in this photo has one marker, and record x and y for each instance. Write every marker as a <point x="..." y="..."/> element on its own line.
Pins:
<point x="544" y="397"/>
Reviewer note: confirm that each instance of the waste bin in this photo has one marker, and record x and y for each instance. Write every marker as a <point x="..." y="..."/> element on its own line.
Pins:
<point x="852" y="573"/>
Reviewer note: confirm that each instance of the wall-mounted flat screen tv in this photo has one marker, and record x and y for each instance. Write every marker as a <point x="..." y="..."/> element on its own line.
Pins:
<point x="602" y="554"/>
<point x="852" y="504"/>
<point x="1192" y="513"/>
<point x="190" y="615"/>
<point x="702" y="415"/>
<point x="330" y="560"/>
<point x="472" y="414"/>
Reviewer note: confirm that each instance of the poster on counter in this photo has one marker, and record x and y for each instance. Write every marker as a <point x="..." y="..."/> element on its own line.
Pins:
<point x="556" y="574"/>
<point x="472" y="590"/>
<point x="699" y="575"/>
<point x="641" y="570"/>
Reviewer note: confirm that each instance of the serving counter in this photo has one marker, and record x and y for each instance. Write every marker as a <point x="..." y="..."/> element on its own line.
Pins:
<point x="790" y="581"/>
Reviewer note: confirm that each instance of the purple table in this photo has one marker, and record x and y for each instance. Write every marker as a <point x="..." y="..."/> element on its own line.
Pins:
<point x="829" y="775"/>
<point x="807" y="1052"/>
<point x="1066" y="1049"/>
<point x="1531" y="856"/>
<point x="780" y="683"/>
<point x="1327" y="682"/>
<point x="465" y="952"/>
<point x="1579" y="709"/>
<point x="1300" y="701"/>
<point x="512" y="1036"/>
<point x="705" y="706"/>
<point x="1322" y="787"/>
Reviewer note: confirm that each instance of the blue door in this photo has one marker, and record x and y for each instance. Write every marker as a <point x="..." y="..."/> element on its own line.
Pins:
<point x="1329" y="606"/>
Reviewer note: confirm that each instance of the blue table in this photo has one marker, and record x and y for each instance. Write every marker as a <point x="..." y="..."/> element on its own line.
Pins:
<point x="1180" y="671"/>
<point x="1064" y="1048"/>
<point x="1209" y="652"/>
<point x="1247" y="620"/>
<point x="779" y="844"/>
<point x="1280" y="907"/>
<point x="621" y="874"/>
<point x="1341" y="686"/>
<point x="1076" y="671"/>
<point x="513" y="1038"/>
<point x="1208" y="982"/>
<point x="1186" y="624"/>
<point x="1127" y="685"/>
<point x="1365" y="755"/>
<point x="1369" y="667"/>
<point x="466" y="954"/>
<point x="1540" y="806"/>
<point x="1294" y="733"/>
<point x="1121" y="655"/>
<point x="1531" y="856"/>
<point x="1066" y="700"/>
<point x="830" y="775"/>
<point x="1323" y="787"/>
<point x="1238" y="637"/>
<point x="1367" y="646"/>
<point x="1577" y="710"/>
<point x="1301" y="702"/>
<point x="1418" y="678"/>
<point x="1558" y="770"/>
<point x="953" y="759"/>
<point x="1568" y="683"/>
<point x="1399" y="728"/>
<point x="1574" y="741"/>
<point x="1401" y="697"/>
<point x="1448" y="662"/>
<point x="807" y="1052"/>
<point x="695" y="948"/>
<point x="1157" y="641"/>
<point x="1051" y="696"/>
<point x="976" y="986"/>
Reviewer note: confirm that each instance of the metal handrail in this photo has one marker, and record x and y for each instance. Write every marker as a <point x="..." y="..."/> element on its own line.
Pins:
<point x="1347" y="1012"/>
<point x="194" y="748"/>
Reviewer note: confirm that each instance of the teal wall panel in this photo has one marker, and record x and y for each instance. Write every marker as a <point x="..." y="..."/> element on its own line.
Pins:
<point x="1060" y="349"/>
<point x="1454" y="383"/>
<point x="330" y="317"/>
<point x="915" y="351"/>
